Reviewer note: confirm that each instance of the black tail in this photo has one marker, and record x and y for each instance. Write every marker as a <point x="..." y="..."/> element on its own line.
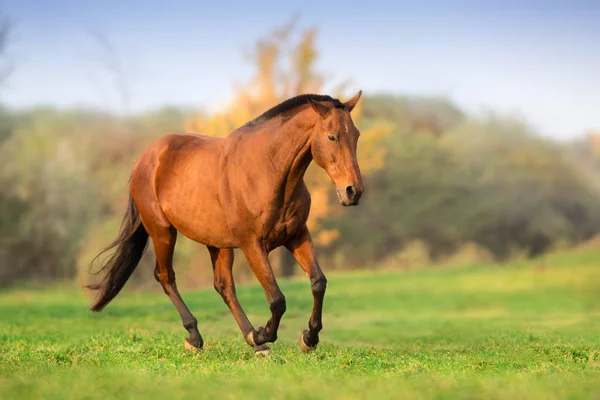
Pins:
<point x="130" y="246"/>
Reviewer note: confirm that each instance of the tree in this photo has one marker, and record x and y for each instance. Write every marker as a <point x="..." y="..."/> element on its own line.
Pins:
<point x="5" y="32"/>
<point x="6" y="121"/>
<point x="285" y="66"/>
<point x="490" y="182"/>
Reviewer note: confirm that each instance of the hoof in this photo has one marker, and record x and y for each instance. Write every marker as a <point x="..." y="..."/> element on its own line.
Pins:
<point x="250" y="338"/>
<point x="303" y="346"/>
<point x="257" y="337"/>
<point x="190" y="347"/>
<point x="262" y="351"/>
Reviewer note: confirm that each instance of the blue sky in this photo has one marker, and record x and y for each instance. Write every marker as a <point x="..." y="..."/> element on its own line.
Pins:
<point x="537" y="59"/>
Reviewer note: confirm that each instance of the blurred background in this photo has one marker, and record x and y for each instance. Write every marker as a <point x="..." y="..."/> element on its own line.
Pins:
<point x="480" y="124"/>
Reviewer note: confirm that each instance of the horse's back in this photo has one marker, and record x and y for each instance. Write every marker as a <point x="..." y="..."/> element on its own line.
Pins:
<point x="173" y="154"/>
<point x="182" y="173"/>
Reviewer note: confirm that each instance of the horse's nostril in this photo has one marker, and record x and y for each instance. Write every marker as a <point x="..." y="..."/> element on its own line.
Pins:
<point x="350" y="192"/>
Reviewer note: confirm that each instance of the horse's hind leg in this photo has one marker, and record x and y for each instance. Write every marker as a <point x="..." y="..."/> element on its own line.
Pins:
<point x="164" y="246"/>
<point x="222" y="260"/>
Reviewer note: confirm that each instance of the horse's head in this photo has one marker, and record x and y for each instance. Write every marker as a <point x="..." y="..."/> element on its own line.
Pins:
<point x="334" y="142"/>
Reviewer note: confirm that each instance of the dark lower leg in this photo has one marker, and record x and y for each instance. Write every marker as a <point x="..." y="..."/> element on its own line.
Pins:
<point x="230" y="298"/>
<point x="269" y="332"/>
<point x="301" y="247"/>
<point x="318" y="286"/>
<point x="189" y="321"/>
<point x="222" y="260"/>
<point x="164" y="245"/>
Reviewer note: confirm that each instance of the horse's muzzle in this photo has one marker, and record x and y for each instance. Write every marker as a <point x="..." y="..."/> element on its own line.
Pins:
<point x="350" y="196"/>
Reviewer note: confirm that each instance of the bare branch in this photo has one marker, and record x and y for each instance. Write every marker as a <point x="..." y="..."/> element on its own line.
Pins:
<point x="111" y="62"/>
<point x="6" y="66"/>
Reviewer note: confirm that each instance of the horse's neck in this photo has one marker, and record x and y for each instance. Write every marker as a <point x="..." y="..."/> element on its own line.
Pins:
<point x="298" y="167"/>
<point x="290" y="155"/>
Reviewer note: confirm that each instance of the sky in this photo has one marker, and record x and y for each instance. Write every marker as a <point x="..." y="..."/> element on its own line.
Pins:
<point x="539" y="60"/>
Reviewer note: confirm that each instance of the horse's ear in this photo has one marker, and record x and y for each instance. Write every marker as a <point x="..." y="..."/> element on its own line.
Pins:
<point x="321" y="109"/>
<point x="349" y="105"/>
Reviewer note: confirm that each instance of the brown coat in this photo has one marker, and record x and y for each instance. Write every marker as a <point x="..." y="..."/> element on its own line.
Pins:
<point x="243" y="191"/>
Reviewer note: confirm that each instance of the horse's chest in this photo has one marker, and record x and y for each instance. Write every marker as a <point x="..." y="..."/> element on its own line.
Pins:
<point x="286" y="224"/>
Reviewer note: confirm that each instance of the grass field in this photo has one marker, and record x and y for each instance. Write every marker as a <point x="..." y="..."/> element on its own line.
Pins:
<point x="475" y="332"/>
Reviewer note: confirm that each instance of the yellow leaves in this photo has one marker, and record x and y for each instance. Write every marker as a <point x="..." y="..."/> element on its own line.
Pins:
<point x="371" y="154"/>
<point x="218" y="124"/>
<point x="326" y="237"/>
<point x="319" y="203"/>
<point x="593" y="139"/>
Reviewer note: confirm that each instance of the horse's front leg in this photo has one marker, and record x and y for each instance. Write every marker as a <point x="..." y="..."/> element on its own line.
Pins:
<point x="257" y="257"/>
<point x="301" y="247"/>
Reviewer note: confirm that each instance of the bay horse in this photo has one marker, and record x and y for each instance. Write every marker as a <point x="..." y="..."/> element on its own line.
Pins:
<point x="243" y="191"/>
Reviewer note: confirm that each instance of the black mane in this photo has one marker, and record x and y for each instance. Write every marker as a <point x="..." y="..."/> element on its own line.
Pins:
<point x="292" y="103"/>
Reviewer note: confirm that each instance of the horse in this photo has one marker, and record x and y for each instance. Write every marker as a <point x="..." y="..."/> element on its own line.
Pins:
<point x="243" y="191"/>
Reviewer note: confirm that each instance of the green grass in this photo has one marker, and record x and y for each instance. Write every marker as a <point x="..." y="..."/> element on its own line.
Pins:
<point x="477" y="332"/>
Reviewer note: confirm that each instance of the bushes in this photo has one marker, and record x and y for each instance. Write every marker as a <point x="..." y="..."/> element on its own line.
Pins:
<point x="46" y="203"/>
<point x="490" y="182"/>
<point x="452" y="190"/>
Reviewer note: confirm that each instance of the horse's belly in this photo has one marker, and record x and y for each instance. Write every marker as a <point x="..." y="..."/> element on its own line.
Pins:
<point x="205" y="229"/>
<point x="197" y="214"/>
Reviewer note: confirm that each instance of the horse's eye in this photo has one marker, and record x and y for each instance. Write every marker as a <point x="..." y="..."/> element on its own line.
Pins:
<point x="331" y="137"/>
